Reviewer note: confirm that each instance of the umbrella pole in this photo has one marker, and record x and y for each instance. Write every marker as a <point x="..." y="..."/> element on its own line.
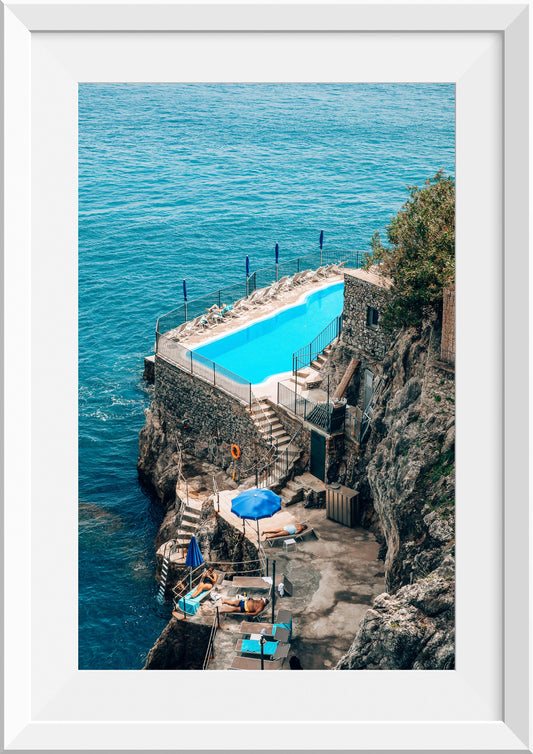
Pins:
<point x="262" y="643"/>
<point x="273" y="587"/>
<point x="258" y="539"/>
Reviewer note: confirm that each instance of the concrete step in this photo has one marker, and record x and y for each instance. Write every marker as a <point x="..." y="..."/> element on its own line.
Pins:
<point x="191" y="516"/>
<point x="291" y="496"/>
<point x="266" y="424"/>
<point x="276" y="433"/>
<point x="264" y="414"/>
<point x="292" y="485"/>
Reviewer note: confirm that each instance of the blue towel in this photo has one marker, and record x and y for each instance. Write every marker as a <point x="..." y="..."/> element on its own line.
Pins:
<point x="251" y="645"/>
<point x="191" y="603"/>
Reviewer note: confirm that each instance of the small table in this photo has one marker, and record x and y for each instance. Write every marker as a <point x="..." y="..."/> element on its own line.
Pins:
<point x="289" y="544"/>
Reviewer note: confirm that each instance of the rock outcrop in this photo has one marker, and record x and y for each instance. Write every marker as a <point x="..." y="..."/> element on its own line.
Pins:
<point x="406" y="475"/>
<point x="180" y="646"/>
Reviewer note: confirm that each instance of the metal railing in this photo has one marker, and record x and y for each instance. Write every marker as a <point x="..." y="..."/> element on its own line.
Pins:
<point x="210" y="651"/>
<point x="352" y="423"/>
<point x="258" y="279"/>
<point x="368" y="412"/>
<point x="207" y="370"/>
<point x="306" y="355"/>
<point x="328" y="416"/>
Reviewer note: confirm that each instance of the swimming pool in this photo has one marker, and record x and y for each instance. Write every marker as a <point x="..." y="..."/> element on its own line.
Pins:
<point x="266" y="347"/>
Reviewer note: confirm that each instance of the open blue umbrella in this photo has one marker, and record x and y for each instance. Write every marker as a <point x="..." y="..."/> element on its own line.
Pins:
<point x="255" y="504"/>
<point x="194" y="558"/>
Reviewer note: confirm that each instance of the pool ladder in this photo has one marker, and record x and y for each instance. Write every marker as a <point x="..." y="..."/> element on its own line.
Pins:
<point x="164" y="573"/>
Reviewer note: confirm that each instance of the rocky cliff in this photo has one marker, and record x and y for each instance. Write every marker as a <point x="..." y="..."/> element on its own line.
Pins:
<point x="405" y="475"/>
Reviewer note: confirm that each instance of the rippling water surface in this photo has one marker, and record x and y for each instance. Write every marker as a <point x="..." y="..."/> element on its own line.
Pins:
<point x="182" y="181"/>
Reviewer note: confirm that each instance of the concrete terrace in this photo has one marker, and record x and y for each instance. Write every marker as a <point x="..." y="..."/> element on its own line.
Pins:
<point x="334" y="578"/>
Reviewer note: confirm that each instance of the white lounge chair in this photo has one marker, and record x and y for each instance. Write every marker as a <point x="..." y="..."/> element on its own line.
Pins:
<point x="297" y="279"/>
<point x="284" y="283"/>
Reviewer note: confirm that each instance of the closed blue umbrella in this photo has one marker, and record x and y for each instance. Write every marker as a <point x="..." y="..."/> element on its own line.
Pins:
<point x="255" y="504"/>
<point x="194" y="558"/>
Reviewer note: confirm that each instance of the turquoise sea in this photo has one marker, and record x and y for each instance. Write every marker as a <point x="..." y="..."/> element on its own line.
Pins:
<point x="182" y="181"/>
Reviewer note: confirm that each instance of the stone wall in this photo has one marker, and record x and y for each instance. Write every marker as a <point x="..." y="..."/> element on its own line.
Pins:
<point x="359" y="294"/>
<point x="216" y="421"/>
<point x="447" y="349"/>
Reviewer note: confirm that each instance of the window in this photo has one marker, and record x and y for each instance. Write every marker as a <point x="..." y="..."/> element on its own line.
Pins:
<point x="372" y="316"/>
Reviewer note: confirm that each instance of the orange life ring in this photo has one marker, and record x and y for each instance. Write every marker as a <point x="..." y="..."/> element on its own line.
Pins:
<point x="235" y="452"/>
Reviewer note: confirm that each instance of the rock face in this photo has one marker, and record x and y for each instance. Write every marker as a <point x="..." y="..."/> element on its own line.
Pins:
<point x="411" y="629"/>
<point x="158" y="463"/>
<point x="180" y="646"/>
<point x="406" y="475"/>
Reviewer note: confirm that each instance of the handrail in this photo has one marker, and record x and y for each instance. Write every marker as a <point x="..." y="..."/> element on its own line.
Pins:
<point x="210" y="644"/>
<point x="307" y="354"/>
<point x="258" y="279"/>
<point x="322" y="414"/>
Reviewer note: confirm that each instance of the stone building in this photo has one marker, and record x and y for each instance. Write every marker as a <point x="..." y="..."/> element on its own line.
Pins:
<point x="365" y="297"/>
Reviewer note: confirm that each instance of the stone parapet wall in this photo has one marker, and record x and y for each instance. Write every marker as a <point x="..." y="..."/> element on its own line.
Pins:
<point x="360" y="294"/>
<point x="216" y="421"/>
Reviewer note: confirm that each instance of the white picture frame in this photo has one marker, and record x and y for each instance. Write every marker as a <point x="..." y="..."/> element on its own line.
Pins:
<point x="49" y="704"/>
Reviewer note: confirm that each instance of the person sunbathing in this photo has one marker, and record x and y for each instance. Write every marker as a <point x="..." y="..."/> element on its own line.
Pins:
<point x="250" y="607"/>
<point x="285" y="532"/>
<point x="207" y="581"/>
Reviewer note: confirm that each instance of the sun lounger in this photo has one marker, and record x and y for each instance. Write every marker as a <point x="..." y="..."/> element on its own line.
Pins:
<point x="252" y="663"/>
<point x="273" y="631"/>
<point x="255" y="582"/>
<point x="298" y="277"/>
<point x="244" y="615"/>
<point x="309" y="531"/>
<point x="191" y="604"/>
<point x="259" y="582"/>
<point x="274" y="649"/>
<point x="309" y="276"/>
<point x="284" y="616"/>
<point x="258" y="297"/>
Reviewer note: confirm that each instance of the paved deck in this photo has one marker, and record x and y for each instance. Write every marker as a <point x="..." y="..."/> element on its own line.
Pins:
<point x="334" y="579"/>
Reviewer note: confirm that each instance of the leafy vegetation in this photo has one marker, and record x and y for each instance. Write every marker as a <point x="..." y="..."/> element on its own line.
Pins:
<point x="420" y="257"/>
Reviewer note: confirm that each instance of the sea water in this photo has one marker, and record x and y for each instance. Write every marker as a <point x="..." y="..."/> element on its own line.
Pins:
<point x="183" y="181"/>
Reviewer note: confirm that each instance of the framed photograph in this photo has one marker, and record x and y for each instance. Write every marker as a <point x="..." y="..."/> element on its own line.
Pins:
<point x="52" y="700"/>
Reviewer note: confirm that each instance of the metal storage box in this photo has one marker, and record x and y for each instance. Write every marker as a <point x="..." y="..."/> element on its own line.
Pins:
<point x="342" y="505"/>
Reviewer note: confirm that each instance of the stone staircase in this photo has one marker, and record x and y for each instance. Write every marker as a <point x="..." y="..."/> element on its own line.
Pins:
<point x="268" y="424"/>
<point x="292" y="493"/>
<point x="192" y="514"/>
<point x="310" y="377"/>
<point x="266" y="420"/>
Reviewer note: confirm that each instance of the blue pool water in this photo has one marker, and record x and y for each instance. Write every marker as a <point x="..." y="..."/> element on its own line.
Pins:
<point x="182" y="181"/>
<point x="266" y="347"/>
